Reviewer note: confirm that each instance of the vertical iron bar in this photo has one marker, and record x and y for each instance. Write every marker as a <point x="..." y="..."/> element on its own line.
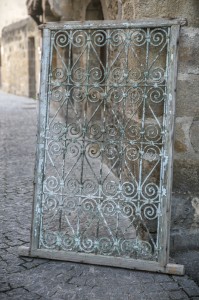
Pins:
<point x="168" y="161"/>
<point x="41" y="142"/>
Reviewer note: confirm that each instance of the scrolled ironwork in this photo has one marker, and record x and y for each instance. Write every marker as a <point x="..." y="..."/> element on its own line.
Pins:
<point x="104" y="141"/>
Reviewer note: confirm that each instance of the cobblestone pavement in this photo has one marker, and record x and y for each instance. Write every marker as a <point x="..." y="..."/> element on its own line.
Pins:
<point x="27" y="278"/>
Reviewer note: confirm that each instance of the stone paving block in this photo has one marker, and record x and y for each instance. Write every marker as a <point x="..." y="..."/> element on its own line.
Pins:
<point x="145" y="276"/>
<point x="163" y="278"/>
<point x="178" y="295"/>
<point x="154" y="287"/>
<point x="135" y="295"/>
<point x="158" y="296"/>
<point x="191" y="290"/>
<point x="190" y="287"/>
<point x="4" y="296"/>
<point x="4" y="287"/>
<point x="21" y="293"/>
<point x="170" y="286"/>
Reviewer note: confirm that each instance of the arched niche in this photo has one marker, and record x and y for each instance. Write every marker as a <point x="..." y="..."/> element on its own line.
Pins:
<point x="94" y="11"/>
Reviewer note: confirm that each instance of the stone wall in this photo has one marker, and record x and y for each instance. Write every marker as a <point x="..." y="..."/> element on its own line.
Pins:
<point x="20" y="58"/>
<point x="185" y="213"/>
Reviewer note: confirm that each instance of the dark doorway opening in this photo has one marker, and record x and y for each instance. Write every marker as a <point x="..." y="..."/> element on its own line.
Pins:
<point x="94" y="11"/>
<point x="31" y="67"/>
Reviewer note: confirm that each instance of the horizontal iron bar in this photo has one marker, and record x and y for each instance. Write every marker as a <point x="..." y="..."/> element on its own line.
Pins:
<point x="126" y="263"/>
<point x="124" y="24"/>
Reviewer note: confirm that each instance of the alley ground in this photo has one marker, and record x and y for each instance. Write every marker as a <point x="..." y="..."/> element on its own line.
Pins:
<point x="27" y="278"/>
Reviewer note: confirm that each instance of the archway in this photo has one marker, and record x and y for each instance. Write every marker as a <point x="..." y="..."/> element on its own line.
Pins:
<point x="94" y="11"/>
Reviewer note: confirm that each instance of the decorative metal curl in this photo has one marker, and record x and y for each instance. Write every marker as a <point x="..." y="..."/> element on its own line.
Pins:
<point x="59" y="75"/>
<point x="87" y="244"/>
<point x="73" y="149"/>
<point x="89" y="187"/>
<point x="75" y="130"/>
<point x="117" y="37"/>
<point x="78" y="75"/>
<point x="95" y="74"/>
<point x="93" y="150"/>
<point x="112" y="130"/>
<point x="117" y="75"/>
<point x="150" y="191"/>
<point x="94" y="131"/>
<point x="55" y="148"/>
<point x="95" y="94"/>
<point x="105" y="245"/>
<point x="52" y="184"/>
<point x="72" y="186"/>
<point x="109" y="207"/>
<point x="110" y="188"/>
<point x="144" y="249"/>
<point x="150" y="211"/>
<point x="99" y="38"/>
<point x="57" y="128"/>
<point x="133" y="132"/>
<point x="127" y="209"/>
<point x="135" y="95"/>
<point x="78" y="94"/>
<point x="49" y="239"/>
<point x="116" y="95"/>
<point x="156" y="95"/>
<point x="157" y="75"/>
<point x="126" y="246"/>
<point x="57" y="94"/>
<point x="50" y="204"/>
<point x="151" y="153"/>
<point x="61" y="38"/>
<point x="111" y="151"/>
<point x="80" y="38"/>
<point x="138" y="37"/>
<point x="158" y="36"/>
<point x="129" y="189"/>
<point x="134" y="75"/>
<point x="88" y="205"/>
<point x="68" y="242"/>
<point x="132" y="152"/>
<point x="152" y="132"/>
<point x="70" y="203"/>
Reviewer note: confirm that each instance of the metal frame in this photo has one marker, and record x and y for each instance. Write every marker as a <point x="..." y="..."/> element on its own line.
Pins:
<point x="162" y="265"/>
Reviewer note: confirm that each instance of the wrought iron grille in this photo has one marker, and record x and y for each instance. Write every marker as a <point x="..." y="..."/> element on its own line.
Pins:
<point x="104" y="148"/>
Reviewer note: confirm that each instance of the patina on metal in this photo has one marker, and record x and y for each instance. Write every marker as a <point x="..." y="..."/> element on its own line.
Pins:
<point x="104" y="158"/>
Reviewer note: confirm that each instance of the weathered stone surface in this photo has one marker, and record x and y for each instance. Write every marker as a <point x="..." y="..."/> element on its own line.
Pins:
<point x="184" y="222"/>
<point x="190" y="259"/>
<point x="182" y="142"/>
<point x="187" y="103"/>
<point x="162" y="9"/>
<point x="130" y="9"/>
<point x="16" y="57"/>
<point x="194" y="134"/>
<point x="188" y="60"/>
<point x="62" y="9"/>
<point x="186" y="175"/>
<point x="184" y="240"/>
<point x="182" y="212"/>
